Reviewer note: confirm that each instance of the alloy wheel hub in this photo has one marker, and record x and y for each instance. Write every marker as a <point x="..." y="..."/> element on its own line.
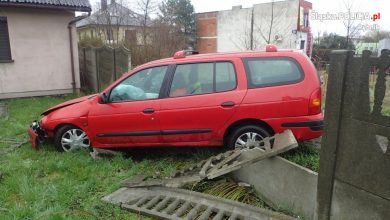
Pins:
<point x="74" y="139"/>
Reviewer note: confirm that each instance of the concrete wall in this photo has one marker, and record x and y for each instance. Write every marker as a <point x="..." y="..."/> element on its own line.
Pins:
<point x="234" y="29"/>
<point x="285" y="20"/>
<point x="284" y="184"/>
<point x="39" y="41"/>
<point x="234" y="26"/>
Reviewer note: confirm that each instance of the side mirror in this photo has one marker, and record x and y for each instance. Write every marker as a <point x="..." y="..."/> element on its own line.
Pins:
<point x="103" y="98"/>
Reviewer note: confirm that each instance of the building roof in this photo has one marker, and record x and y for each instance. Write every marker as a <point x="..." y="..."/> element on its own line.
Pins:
<point x="115" y="14"/>
<point x="74" y="5"/>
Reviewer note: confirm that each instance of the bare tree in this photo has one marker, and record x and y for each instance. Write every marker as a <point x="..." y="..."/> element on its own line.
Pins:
<point x="351" y="25"/>
<point x="147" y="8"/>
<point x="274" y="28"/>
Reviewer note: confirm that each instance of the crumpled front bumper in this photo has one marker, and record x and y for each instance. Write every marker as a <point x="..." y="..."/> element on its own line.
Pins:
<point x="37" y="135"/>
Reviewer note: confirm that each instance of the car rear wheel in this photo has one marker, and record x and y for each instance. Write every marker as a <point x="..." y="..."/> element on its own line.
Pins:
<point x="69" y="138"/>
<point x="247" y="137"/>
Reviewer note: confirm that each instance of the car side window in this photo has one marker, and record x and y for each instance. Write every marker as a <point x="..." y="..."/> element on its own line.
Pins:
<point x="272" y="71"/>
<point x="143" y="85"/>
<point x="225" y="77"/>
<point x="192" y="79"/>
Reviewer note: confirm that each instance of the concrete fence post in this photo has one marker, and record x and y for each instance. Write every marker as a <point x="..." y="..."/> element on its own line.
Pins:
<point x="339" y="62"/>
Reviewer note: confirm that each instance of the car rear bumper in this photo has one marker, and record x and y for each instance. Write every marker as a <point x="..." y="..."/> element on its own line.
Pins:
<point x="304" y="127"/>
<point x="317" y="125"/>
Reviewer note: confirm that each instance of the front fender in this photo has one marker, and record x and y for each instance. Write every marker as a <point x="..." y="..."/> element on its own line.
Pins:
<point x="76" y="114"/>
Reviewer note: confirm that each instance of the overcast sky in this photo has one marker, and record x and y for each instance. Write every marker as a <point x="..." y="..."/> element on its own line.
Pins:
<point x="320" y="6"/>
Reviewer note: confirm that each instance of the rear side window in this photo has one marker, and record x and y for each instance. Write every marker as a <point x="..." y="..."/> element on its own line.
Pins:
<point x="225" y="77"/>
<point x="202" y="78"/>
<point x="264" y="72"/>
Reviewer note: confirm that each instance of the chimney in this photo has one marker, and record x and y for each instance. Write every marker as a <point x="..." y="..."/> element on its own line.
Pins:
<point x="237" y="7"/>
<point x="103" y="5"/>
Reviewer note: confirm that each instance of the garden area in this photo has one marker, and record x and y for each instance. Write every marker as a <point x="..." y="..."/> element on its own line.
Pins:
<point x="46" y="184"/>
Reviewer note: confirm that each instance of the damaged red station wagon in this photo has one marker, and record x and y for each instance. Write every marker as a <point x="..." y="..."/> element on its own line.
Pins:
<point x="220" y="99"/>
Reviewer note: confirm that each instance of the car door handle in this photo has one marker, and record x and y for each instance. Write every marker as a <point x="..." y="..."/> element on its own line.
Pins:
<point x="228" y="104"/>
<point x="148" y="110"/>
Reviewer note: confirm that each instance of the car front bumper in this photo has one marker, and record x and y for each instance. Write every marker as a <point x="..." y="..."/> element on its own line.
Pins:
<point x="37" y="135"/>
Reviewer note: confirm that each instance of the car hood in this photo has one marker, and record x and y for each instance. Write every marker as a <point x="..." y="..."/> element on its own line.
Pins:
<point x="68" y="103"/>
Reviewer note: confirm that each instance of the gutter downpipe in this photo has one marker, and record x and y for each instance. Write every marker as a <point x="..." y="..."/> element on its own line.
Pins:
<point x="71" y="48"/>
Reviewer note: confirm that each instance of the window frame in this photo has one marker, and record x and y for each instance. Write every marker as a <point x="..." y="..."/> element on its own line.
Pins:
<point x="251" y="85"/>
<point x="167" y="72"/>
<point x="10" y="60"/>
<point x="173" y="71"/>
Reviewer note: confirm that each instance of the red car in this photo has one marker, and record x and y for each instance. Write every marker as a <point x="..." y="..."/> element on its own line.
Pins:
<point x="220" y="99"/>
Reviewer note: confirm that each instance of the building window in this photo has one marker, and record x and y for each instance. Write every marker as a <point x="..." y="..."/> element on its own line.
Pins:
<point x="306" y="19"/>
<point x="302" y="46"/>
<point x="5" y="49"/>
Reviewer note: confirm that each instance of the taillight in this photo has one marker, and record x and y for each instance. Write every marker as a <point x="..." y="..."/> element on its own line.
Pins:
<point x="315" y="102"/>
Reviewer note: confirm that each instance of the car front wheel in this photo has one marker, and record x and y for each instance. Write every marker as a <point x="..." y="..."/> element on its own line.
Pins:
<point x="69" y="138"/>
<point x="247" y="136"/>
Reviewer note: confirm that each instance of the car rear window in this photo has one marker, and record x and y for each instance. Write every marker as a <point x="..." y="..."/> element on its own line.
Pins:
<point x="264" y="72"/>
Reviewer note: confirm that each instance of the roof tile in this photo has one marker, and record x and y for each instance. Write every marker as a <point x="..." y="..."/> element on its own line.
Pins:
<point x="77" y="5"/>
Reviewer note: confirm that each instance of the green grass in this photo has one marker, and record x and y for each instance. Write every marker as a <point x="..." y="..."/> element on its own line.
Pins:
<point x="46" y="184"/>
<point x="229" y="189"/>
<point x="304" y="155"/>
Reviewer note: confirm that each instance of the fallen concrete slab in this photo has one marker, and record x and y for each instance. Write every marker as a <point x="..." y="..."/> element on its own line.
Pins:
<point x="179" y="204"/>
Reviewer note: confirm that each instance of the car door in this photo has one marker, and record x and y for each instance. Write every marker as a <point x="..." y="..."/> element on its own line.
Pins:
<point x="130" y="118"/>
<point x="201" y="98"/>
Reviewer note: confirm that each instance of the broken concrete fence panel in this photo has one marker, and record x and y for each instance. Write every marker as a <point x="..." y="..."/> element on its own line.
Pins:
<point x="282" y="143"/>
<point x="226" y="160"/>
<point x="206" y="166"/>
<point x="179" y="204"/>
<point x="221" y="164"/>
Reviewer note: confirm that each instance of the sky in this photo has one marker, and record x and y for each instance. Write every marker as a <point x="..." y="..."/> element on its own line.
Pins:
<point x="321" y="7"/>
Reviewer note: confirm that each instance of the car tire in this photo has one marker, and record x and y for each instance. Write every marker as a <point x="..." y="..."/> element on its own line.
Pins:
<point x="257" y="133"/>
<point x="69" y="138"/>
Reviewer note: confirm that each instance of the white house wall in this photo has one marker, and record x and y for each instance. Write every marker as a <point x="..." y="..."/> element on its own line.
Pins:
<point x="285" y="20"/>
<point x="39" y="41"/>
<point x="234" y="26"/>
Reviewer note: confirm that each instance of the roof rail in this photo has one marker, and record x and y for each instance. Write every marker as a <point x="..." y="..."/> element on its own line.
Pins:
<point x="184" y="53"/>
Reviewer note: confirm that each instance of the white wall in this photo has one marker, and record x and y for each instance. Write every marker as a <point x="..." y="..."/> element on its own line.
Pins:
<point x="39" y="41"/>
<point x="234" y="26"/>
<point x="233" y="29"/>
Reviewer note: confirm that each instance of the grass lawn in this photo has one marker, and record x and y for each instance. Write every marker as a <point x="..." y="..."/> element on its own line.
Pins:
<point x="46" y="184"/>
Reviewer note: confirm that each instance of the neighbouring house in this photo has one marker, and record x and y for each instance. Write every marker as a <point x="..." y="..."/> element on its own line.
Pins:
<point x="362" y="46"/>
<point x="113" y="23"/>
<point x="283" y="23"/>
<point x="38" y="47"/>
